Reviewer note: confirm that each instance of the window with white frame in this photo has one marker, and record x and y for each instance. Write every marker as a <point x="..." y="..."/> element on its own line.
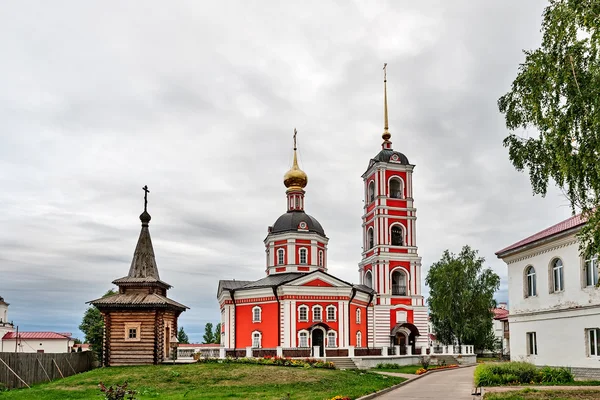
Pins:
<point x="320" y="258"/>
<point x="590" y="270"/>
<point x="594" y="342"/>
<point x="331" y="339"/>
<point x="397" y="235"/>
<point x="317" y="313"/>
<point x="256" y="339"/>
<point x="303" y="254"/>
<point x="358" y="339"/>
<point x="530" y="281"/>
<point x="371" y="191"/>
<point x="330" y="313"/>
<point x="256" y="314"/>
<point x="557" y="276"/>
<point x="368" y="279"/>
<point x="395" y="188"/>
<point x="531" y="343"/>
<point x="303" y="339"/>
<point x="358" y="315"/>
<point x="370" y="240"/>
<point x="280" y="256"/>
<point x="303" y="313"/>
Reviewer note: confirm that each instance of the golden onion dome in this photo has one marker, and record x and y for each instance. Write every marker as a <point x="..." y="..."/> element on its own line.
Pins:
<point x="295" y="178"/>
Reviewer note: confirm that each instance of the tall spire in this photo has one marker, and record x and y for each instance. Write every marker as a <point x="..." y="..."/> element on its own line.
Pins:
<point x="386" y="133"/>
<point x="143" y="264"/>
<point x="295" y="180"/>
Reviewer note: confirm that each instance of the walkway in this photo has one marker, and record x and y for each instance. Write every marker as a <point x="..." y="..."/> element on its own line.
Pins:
<point x="455" y="384"/>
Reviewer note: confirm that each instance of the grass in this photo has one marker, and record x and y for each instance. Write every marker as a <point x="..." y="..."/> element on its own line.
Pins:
<point x="517" y="373"/>
<point x="212" y="381"/>
<point x="404" y="369"/>
<point x="532" y="394"/>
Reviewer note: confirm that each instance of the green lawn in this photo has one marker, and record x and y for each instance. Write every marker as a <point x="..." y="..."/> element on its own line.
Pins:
<point x="212" y="381"/>
<point x="532" y="394"/>
<point x="404" y="369"/>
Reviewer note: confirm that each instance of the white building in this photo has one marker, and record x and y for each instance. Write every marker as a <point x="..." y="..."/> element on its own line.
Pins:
<point x="36" y="342"/>
<point x="5" y="325"/>
<point x="501" y="327"/>
<point x="555" y="300"/>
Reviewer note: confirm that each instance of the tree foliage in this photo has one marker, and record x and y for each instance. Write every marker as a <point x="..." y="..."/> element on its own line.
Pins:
<point x="218" y="333"/>
<point x="556" y="92"/>
<point x="461" y="299"/>
<point x="209" y="336"/>
<point x="182" y="337"/>
<point x="92" y="326"/>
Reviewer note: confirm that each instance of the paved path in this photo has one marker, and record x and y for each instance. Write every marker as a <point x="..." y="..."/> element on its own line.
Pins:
<point x="453" y="384"/>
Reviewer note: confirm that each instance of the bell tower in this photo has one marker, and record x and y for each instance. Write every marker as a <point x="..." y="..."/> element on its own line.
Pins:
<point x="390" y="263"/>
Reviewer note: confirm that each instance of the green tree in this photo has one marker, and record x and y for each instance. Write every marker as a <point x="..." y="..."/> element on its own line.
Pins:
<point x="556" y="92"/>
<point x="182" y="337"/>
<point x="217" y="334"/>
<point x="461" y="299"/>
<point x="209" y="336"/>
<point x="92" y="326"/>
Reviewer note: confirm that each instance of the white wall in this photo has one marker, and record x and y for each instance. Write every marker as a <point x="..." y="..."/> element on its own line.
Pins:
<point x="33" y="345"/>
<point x="561" y="338"/>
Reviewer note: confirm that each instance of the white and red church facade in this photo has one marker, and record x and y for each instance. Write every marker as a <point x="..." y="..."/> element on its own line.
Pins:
<point x="298" y="305"/>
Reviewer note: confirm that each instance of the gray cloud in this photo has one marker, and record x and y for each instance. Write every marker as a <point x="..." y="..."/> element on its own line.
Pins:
<point x="199" y="101"/>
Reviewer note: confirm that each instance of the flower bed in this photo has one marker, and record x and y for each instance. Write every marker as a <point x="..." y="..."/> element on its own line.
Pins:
<point x="279" y="361"/>
<point x="421" y="371"/>
<point x="518" y="373"/>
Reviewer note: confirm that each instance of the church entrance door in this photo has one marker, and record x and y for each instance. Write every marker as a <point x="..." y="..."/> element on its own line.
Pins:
<point x="317" y="340"/>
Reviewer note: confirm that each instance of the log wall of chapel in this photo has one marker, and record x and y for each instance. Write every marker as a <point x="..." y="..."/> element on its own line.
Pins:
<point x="149" y="349"/>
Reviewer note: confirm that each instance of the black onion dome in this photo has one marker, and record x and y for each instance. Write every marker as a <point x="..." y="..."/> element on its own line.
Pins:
<point x="389" y="155"/>
<point x="290" y="221"/>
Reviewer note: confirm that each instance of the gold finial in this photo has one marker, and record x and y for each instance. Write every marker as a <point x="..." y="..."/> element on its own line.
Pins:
<point x="386" y="134"/>
<point x="295" y="178"/>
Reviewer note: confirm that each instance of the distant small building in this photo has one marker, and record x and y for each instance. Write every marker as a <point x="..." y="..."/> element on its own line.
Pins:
<point x="501" y="327"/>
<point x="555" y="300"/>
<point x="36" y="342"/>
<point x="140" y="321"/>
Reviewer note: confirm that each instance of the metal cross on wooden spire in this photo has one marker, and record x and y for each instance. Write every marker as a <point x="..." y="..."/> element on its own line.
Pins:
<point x="146" y="191"/>
<point x="386" y="134"/>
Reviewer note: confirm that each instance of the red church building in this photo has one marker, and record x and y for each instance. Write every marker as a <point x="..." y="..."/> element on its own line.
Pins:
<point x="299" y="305"/>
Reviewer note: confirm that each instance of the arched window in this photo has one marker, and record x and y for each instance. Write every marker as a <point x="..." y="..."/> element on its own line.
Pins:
<point x="256" y="313"/>
<point x="303" y="256"/>
<point x="321" y="258"/>
<point x="397" y="235"/>
<point x="399" y="283"/>
<point x="370" y="238"/>
<point x="371" y="191"/>
<point x="358" y="315"/>
<point x="331" y="336"/>
<point x="303" y="313"/>
<point x="331" y="313"/>
<point x="303" y="339"/>
<point x="395" y="188"/>
<point x="557" y="275"/>
<point x="256" y="339"/>
<point x="368" y="279"/>
<point x="531" y="289"/>
<point x="317" y="313"/>
<point x="358" y="339"/>
<point x="280" y="256"/>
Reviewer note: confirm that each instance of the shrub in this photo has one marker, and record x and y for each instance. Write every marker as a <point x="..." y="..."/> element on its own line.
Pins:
<point x="519" y="373"/>
<point x="118" y="392"/>
<point x="425" y="362"/>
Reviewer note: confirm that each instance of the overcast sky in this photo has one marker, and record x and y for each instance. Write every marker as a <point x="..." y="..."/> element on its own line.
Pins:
<point x="198" y="100"/>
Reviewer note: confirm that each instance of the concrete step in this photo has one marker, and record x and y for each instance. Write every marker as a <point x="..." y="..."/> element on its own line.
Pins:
<point x="437" y="359"/>
<point x="342" y="362"/>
